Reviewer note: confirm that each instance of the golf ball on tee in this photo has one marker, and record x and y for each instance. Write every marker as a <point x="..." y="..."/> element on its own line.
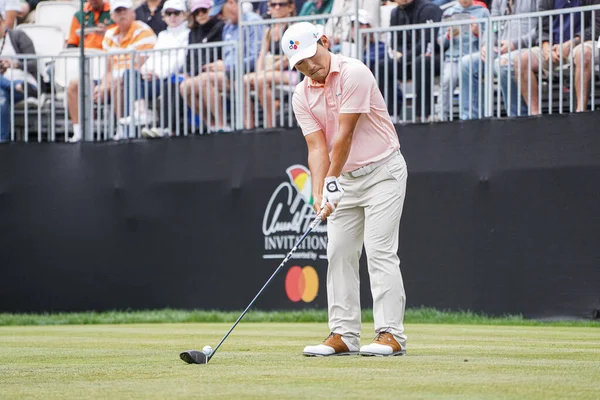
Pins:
<point x="207" y="350"/>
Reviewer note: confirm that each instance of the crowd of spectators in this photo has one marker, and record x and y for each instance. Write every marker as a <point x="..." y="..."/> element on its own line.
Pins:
<point x="184" y="77"/>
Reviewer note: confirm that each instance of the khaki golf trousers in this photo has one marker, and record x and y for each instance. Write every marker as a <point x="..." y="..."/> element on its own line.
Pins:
<point x="369" y="214"/>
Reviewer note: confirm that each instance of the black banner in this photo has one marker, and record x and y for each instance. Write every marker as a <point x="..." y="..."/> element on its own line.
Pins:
<point x="501" y="216"/>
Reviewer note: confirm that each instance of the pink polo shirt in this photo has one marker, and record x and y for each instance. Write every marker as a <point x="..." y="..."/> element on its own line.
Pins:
<point x="349" y="88"/>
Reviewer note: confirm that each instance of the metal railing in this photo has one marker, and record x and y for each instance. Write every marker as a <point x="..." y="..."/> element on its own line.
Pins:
<point x="268" y="90"/>
<point x="518" y="81"/>
<point x="425" y="73"/>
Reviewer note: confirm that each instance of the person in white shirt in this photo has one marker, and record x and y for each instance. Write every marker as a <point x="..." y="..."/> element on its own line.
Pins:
<point x="9" y="10"/>
<point x="161" y="66"/>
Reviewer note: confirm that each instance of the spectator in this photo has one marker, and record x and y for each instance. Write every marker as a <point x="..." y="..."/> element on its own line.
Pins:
<point x="14" y="73"/>
<point x="159" y="69"/>
<point x="127" y="34"/>
<point x="314" y="7"/>
<point x="458" y="41"/>
<point x="26" y="13"/>
<point x="374" y="48"/>
<point x="96" y="17"/>
<point x="513" y="34"/>
<point x="9" y="9"/>
<point x="410" y="12"/>
<point x="338" y="29"/>
<point x="248" y="8"/>
<point x="150" y="12"/>
<point x="215" y="76"/>
<point x="486" y="3"/>
<point x="262" y="7"/>
<point x="582" y="41"/>
<point x="271" y="66"/>
<point x="203" y="29"/>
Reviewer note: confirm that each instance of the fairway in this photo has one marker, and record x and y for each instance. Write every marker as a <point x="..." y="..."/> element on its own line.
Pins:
<point x="263" y="360"/>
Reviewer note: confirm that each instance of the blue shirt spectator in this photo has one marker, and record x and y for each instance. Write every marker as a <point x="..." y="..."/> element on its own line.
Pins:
<point x="375" y="53"/>
<point x="204" y="90"/>
<point x="566" y="21"/>
<point x="252" y="41"/>
<point x="464" y="36"/>
<point x="458" y="41"/>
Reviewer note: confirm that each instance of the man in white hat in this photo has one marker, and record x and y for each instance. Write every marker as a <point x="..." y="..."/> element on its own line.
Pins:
<point x="359" y="184"/>
<point x="126" y="34"/>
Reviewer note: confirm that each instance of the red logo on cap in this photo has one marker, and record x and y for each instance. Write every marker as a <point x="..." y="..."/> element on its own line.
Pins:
<point x="294" y="45"/>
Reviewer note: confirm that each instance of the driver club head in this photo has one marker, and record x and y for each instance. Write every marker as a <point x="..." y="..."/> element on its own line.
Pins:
<point x="194" y="357"/>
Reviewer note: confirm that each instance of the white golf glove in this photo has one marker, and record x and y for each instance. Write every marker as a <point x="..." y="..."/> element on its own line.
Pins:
<point x="332" y="192"/>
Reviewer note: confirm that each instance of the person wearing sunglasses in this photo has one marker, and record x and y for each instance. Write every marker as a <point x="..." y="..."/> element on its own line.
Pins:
<point x="127" y="34"/>
<point x="271" y="67"/>
<point x="203" y="29"/>
<point x="205" y="91"/>
<point x="161" y="67"/>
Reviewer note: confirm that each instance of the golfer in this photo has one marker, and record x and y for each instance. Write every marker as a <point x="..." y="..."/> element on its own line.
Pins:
<point x="359" y="181"/>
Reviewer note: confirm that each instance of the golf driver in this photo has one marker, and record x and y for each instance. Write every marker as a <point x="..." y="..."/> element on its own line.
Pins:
<point x="202" y="357"/>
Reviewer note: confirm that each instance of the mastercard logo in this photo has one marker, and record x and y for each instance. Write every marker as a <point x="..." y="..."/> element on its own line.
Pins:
<point x="302" y="284"/>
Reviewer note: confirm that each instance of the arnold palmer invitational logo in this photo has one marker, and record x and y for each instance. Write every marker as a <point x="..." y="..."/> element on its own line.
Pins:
<point x="287" y="216"/>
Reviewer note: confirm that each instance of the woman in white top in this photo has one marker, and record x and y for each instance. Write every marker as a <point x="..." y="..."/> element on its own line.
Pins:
<point x="161" y="67"/>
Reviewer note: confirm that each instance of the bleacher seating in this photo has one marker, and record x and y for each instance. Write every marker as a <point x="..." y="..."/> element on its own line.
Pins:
<point x="48" y="42"/>
<point x="58" y="66"/>
<point x="56" y="13"/>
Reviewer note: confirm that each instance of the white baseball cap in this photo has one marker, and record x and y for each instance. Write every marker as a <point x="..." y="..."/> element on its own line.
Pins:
<point x="114" y="4"/>
<point x="299" y="41"/>
<point x="363" y="17"/>
<point x="178" y="5"/>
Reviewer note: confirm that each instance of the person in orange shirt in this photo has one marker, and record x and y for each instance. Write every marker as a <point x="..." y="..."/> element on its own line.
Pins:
<point x="126" y="34"/>
<point x="96" y="19"/>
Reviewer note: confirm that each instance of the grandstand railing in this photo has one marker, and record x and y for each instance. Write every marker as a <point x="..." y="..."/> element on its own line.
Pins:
<point x="551" y="89"/>
<point x="244" y="103"/>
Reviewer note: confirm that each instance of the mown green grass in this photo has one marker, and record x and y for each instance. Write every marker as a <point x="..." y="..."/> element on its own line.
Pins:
<point x="415" y="315"/>
<point x="263" y="360"/>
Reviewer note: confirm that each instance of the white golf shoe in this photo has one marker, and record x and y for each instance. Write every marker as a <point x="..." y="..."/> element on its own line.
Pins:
<point x="383" y="345"/>
<point x="334" y="345"/>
